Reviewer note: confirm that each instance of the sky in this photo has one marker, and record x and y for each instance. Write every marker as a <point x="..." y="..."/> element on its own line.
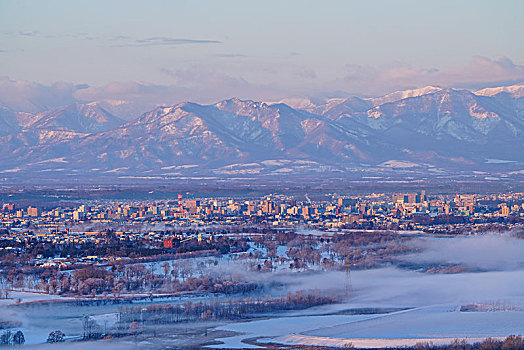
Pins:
<point x="208" y="50"/>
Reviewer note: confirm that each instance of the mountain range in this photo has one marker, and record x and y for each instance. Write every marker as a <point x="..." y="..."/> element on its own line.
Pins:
<point x="432" y="128"/>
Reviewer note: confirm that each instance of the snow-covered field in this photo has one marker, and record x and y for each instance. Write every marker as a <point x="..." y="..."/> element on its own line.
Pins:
<point x="425" y="307"/>
<point x="39" y="319"/>
<point x="26" y="297"/>
<point x="408" y="306"/>
<point x="438" y="324"/>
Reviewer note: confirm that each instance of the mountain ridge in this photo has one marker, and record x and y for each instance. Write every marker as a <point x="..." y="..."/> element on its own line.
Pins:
<point x="430" y="127"/>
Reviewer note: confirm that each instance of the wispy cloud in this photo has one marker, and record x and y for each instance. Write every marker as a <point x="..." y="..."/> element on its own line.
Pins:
<point x="206" y="85"/>
<point x="84" y="35"/>
<point x="230" y="55"/>
<point x="29" y="33"/>
<point x="306" y="73"/>
<point x="118" y="40"/>
<point x="120" y="37"/>
<point x="166" y="41"/>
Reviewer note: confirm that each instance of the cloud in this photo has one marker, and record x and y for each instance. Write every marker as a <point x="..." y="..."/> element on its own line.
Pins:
<point x="29" y="33"/>
<point x="197" y="76"/>
<point x="306" y="73"/>
<point x="204" y="85"/>
<point x="479" y="72"/>
<point x="195" y="85"/>
<point x="132" y="98"/>
<point x="230" y="55"/>
<point x="168" y="41"/>
<point x="22" y="95"/>
<point x="119" y="90"/>
<point x="125" y="41"/>
<point x="487" y="252"/>
<point x="165" y="41"/>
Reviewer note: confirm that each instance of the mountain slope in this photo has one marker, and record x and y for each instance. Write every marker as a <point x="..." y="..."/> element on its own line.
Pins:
<point x="516" y="91"/>
<point x="455" y="123"/>
<point x="430" y="127"/>
<point x="8" y="121"/>
<point x="231" y="131"/>
<point x="83" y="118"/>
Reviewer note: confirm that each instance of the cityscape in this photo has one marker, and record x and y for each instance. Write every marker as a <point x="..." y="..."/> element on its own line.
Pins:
<point x="173" y="221"/>
<point x="164" y="255"/>
<point x="273" y="175"/>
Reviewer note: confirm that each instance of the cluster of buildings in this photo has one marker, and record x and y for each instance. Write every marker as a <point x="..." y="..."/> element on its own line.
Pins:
<point x="402" y="211"/>
<point x="165" y="221"/>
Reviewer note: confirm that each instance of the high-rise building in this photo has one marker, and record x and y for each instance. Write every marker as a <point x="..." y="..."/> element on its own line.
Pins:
<point x="77" y="215"/>
<point x="32" y="212"/>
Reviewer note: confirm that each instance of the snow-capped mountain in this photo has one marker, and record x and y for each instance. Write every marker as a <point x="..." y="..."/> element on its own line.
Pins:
<point x="400" y="95"/>
<point x="429" y="127"/>
<point x="83" y="118"/>
<point x="515" y="91"/>
<point x="337" y="108"/>
<point x="231" y="131"/>
<point x="125" y="109"/>
<point x="8" y="121"/>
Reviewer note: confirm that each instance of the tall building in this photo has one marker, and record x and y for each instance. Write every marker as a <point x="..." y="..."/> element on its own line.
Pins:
<point x="77" y="215"/>
<point x="32" y="211"/>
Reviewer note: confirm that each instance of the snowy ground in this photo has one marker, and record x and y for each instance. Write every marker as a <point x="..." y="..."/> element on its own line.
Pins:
<point x="275" y="327"/>
<point x="26" y="297"/>
<point x="39" y="319"/>
<point x="439" y="324"/>
<point x="426" y="307"/>
<point x="409" y="306"/>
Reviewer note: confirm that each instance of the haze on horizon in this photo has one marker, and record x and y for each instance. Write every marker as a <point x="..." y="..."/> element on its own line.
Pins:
<point x="205" y="51"/>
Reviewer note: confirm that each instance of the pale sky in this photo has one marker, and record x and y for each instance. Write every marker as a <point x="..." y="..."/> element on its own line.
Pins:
<point x="264" y="48"/>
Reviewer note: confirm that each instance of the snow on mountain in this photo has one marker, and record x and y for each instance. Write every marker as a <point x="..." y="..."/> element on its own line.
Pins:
<point x="12" y="122"/>
<point x="516" y="91"/>
<point x="216" y="135"/>
<point x="83" y="118"/>
<point x="296" y="103"/>
<point x="400" y="95"/>
<point x="451" y="122"/>
<point x="429" y="126"/>
<point x="300" y="134"/>
<point x="338" y="108"/>
<point x="124" y="109"/>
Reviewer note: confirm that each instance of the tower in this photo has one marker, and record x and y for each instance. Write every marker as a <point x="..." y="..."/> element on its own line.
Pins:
<point x="179" y="202"/>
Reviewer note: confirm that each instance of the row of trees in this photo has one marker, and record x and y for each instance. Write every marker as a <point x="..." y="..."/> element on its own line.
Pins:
<point x="231" y="309"/>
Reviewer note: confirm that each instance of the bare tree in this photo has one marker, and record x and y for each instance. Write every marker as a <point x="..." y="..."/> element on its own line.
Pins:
<point x="6" y="337"/>
<point x="18" y="338"/>
<point x="56" y="337"/>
